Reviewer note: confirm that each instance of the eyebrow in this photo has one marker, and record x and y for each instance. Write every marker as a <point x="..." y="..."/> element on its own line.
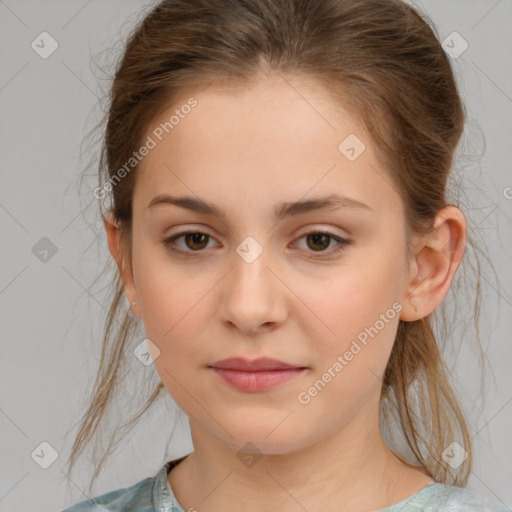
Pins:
<point x="281" y="211"/>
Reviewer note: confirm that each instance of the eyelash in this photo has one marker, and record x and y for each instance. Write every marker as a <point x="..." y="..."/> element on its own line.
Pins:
<point x="169" y="243"/>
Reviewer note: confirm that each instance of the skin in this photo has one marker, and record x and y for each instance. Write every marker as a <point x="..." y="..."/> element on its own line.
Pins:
<point x="246" y="151"/>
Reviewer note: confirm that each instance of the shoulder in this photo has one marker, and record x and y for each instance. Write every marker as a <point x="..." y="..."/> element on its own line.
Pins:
<point x="138" y="495"/>
<point x="448" y="498"/>
<point x="144" y="496"/>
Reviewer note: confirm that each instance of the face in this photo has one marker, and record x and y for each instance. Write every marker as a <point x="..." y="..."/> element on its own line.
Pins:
<point x="317" y="288"/>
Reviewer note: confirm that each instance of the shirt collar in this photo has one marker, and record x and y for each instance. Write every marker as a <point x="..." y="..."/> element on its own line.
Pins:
<point x="163" y="497"/>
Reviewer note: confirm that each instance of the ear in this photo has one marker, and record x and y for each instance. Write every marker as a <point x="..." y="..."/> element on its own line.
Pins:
<point x="118" y="254"/>
<point x="433" y="266"/>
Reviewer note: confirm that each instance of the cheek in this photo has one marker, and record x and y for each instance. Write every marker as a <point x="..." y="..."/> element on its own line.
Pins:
<point x="360" y="308"/>
<point x="351" y="360"/>
<point x="353" y="301"/>
<point x="171" y="298"/>
<point x="173" y="310"/>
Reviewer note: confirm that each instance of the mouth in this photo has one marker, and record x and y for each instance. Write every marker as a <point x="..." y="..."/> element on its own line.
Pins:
<point x="258" y="375"/>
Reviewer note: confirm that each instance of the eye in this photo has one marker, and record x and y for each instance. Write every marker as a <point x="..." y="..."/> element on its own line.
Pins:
<point x="195" y="240"/>
<point x="320" y="240"/>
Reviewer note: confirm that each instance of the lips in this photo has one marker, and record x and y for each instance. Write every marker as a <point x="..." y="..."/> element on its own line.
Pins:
<point x="258" y="375"/>
<point x="256" y="365"/>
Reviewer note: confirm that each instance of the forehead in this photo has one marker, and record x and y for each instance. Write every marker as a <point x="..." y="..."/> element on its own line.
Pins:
<point x="277" y="140"/>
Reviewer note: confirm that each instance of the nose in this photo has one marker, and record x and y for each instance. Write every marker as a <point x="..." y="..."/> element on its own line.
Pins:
<point x="254" y="296"/>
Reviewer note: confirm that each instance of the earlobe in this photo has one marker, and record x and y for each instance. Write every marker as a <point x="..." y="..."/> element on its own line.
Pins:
<point x="433" y="268"/>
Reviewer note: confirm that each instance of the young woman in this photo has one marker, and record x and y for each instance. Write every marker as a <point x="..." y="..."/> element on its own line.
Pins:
<point x="277" y="172"/>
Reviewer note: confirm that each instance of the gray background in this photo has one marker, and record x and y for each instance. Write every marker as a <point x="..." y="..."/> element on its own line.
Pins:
<point x="51" y="311"/>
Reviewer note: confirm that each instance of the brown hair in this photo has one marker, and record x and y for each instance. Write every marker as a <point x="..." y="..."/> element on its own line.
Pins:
<point x="382" y="55"/>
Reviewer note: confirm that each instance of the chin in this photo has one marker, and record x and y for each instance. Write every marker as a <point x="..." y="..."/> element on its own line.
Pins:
<point x="258" y="441"/>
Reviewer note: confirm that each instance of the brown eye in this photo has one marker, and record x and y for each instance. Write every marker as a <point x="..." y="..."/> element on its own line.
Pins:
<point x="319" y="240"/>
<point x="195" y="241"/>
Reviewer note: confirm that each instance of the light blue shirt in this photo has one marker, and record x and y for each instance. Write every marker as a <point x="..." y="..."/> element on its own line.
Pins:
<point x="154" y="494"/>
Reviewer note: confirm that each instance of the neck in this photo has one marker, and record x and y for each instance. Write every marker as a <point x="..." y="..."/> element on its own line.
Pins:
<point x="352" y="469"/>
